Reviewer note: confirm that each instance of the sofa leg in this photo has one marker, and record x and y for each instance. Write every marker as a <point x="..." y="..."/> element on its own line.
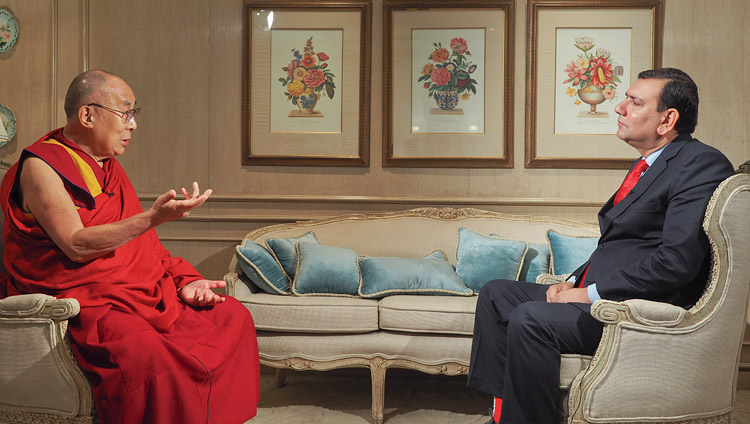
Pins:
<point x="280" y="377"/>
<point x="377" y="373"/>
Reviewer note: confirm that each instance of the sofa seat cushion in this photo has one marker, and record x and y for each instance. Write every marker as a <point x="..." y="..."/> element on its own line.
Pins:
<point x="302" y="314"/>
<point x="428" y="314"/>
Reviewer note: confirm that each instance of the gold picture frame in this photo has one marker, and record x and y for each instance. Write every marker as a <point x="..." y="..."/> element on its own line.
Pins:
<point x="570" y="119"/>
<point x="447" y="83"/>
<point x="306" y="82"/>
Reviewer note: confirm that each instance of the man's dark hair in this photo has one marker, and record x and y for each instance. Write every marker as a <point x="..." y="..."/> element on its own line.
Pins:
<point x="81" y="89"/>
<point x="680" y="93"/>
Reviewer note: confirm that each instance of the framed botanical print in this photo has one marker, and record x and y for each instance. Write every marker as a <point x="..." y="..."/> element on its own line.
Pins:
<point x="447" y="78"/>
<point x="582" y="56"/>
<point x="306" y="82"/>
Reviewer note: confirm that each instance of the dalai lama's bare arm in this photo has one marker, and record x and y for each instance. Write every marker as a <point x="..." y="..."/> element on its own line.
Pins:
<point x="45" y="197"/>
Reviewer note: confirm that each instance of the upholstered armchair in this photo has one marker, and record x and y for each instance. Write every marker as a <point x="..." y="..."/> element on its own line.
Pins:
<point x="661" y="363"/>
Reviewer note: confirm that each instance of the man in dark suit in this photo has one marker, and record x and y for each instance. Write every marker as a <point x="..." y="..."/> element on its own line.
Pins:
<point x="652" y="246"/>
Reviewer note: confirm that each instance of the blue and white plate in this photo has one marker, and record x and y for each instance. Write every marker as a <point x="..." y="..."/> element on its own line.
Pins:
<point x="8" y="30"/>
<point x="8" y="121"/>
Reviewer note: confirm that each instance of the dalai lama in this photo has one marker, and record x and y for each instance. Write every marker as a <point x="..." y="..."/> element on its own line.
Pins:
<point x="158" y="345"/>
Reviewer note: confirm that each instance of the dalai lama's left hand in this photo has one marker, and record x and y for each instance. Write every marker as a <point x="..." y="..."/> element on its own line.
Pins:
<point x="200" y="293"/>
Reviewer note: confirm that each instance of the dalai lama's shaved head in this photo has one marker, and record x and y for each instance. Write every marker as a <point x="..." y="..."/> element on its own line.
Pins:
<point x="83" y="90"/>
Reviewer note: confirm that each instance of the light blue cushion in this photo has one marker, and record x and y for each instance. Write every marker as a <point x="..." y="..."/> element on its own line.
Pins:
<point x="327" y="270"/>
<point x="569" y="252"/>
<point x="261" y="268"/>
<point x="432" y="274"/>
<point x="285" y="251"/>
<point x="536" y="262"/>
<point x="481" y="258"/>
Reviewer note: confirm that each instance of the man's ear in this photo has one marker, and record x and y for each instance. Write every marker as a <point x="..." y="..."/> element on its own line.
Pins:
<point x="669" y="119"/>
<point x="86" y="116"/>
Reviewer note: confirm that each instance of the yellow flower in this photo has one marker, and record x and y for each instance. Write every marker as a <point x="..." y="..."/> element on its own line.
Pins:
<point x="295" y="88"/>
<point x="300" y="73"/>
<point x="570" y="91"/>
<point x="427" y="68"/>
<point x="577" y="102"/>
<point x="587" y="89"/>
<point x="465" y="96"/>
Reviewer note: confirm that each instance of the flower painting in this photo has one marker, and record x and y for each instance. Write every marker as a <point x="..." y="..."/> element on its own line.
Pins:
<point x="592" y="75"/>
<point x="448" y="84"/>
<point x="447" y="74"/>
<point x="306" y="80"/>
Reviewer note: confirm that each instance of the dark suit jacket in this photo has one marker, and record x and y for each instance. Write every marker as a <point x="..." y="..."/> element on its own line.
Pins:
<point x="652" y="244"/>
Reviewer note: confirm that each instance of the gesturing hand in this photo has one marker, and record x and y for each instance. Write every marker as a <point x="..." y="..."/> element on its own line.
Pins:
<point x="200" y="293"/>
<point x="167" y="208"/>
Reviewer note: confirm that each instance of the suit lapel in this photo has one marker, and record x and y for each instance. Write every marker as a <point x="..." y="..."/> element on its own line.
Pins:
<point x="609" y="212"/>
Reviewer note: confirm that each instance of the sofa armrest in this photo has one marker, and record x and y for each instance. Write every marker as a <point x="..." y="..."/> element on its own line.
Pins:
<point x="638" y="311"/>
<point x="38" y="305"/>
<point x="550" y="279"/>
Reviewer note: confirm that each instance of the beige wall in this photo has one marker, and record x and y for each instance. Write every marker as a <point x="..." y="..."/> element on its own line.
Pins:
<point x="183" y="58"/>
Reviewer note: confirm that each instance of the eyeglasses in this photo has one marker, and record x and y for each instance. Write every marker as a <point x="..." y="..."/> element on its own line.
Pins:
<point x="126" y="116"/>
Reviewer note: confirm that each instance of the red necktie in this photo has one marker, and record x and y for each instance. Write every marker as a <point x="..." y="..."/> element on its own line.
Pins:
<point x="630" y="180"/>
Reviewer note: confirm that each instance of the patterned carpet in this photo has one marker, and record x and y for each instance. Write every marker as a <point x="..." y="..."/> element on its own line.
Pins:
<point x="343" y="397"/>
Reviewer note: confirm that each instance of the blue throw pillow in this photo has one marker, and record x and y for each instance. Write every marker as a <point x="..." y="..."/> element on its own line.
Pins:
<point x="569" y="252"/>
<point x="432" y="274"/>
<point x="481" y="258"/>
<point x="261" y="268"/>
<point x="536" y="262"/>
<point x="285" y="251"/>
<point x="326" y="270"/>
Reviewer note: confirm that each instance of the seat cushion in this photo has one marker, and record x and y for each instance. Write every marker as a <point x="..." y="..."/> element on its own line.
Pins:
<point x="428" y="314"/>
<point x="312" y="314"/>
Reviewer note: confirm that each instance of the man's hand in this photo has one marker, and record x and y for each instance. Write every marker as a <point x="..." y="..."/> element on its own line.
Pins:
<point x="565" y="293"/>
<point x="167" y="208"/>
<point x="200" y="293"/>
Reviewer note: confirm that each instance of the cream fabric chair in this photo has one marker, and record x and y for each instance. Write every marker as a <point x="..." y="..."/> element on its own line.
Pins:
<point x="661" y="363"/>
<point x="40" y="381"/>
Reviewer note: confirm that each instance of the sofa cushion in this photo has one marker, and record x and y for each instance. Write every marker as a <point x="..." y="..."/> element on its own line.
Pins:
<point x="569" y="252"/>
<point x="535" y="262"/>
<point x="285" y="251"/>
<point x="326" y="270"/>
<point x="428" y="314"/>
<point x="386" y="276"/>
<point x="481" y="258"/>
<point x="312" y="314"/>
<point x="261" y="268"/>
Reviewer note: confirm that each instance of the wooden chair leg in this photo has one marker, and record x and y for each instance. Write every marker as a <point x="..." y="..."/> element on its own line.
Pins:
<point x="377" y="373"/>
<point x="280" y="377"/>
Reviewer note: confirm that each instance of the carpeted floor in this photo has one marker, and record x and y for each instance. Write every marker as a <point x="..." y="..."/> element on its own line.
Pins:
<point x="344" y="397"/>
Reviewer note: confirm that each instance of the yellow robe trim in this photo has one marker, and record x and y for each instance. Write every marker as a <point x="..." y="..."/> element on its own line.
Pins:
<point x="86" y="172"/>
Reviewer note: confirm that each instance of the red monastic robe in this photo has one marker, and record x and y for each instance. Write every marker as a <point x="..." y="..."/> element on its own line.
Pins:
<point x="150" y="357"/>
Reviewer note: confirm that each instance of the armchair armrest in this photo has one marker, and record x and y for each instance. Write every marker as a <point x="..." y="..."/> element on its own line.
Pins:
<point x="638" y="311"/>
<point x="550" y="279"/>
<point x="38" y="305"/>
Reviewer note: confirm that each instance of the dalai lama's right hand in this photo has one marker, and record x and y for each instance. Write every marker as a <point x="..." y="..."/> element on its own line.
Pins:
<point x="167" y="208"/>
<point x="200" y="293"/>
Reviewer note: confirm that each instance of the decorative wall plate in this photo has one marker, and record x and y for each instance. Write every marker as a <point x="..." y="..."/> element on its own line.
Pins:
<point x="8" y="30"/>
<point x="8" y="121"/>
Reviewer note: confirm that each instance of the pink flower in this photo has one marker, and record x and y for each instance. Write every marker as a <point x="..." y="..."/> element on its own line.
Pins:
<point x="574" y="74"/>
<point x="314" y="78"/>
<point x="459" y="45"/>
<point x="441" y="76"/>
<point x="609" y="93"/>
<point x="322" y="56"/>
<point x="291" y="67"/>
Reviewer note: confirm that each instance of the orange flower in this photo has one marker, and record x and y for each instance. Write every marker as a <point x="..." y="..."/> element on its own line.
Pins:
<point x="440" y="55"/>
<point x="308" y="61"/>
<point x="427" y="68"/>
